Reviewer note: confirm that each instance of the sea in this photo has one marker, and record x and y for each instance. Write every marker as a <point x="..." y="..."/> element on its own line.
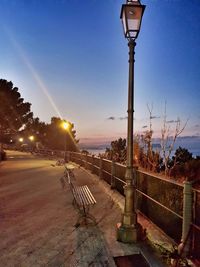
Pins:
<point x="192" y="144"/>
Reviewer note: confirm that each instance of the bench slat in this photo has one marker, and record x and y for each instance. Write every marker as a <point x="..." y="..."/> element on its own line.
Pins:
<point x="78" y="196"/>
<point x="74" y="192"/>
<point x="88" y="195"/>
<point x="83" y="195"/>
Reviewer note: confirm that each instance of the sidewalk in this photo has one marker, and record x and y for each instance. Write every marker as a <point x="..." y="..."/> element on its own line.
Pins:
<point x="97" y="245"/>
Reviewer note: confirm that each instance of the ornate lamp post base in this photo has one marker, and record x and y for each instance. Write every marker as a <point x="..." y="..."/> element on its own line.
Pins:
<point x="129" y="230"/>
<point x="129" y="234"/>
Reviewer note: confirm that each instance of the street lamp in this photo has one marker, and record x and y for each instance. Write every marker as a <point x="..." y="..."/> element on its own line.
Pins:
<point x="129" y="230"/>
<point x="21" y="139"/>
<point x="65" y="126"/>
<point x="31" y="138"/>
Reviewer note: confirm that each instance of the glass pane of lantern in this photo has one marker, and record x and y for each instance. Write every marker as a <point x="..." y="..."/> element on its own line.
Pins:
<point x="134" y="15"/>
<point x="133" y="24"/>
<point x="124" y="21"/>
<point x="133" y="34"/>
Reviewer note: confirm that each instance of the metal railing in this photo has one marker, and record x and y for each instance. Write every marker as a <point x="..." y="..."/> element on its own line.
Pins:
<point x="159" y="199"/>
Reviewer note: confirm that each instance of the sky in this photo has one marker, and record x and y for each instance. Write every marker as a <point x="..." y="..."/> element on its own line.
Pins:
<point x="69" y="58"/>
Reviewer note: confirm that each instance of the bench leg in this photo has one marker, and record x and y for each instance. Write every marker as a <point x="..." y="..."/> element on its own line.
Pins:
<point x="84" y="217"/>
<point x="62" y="181"/>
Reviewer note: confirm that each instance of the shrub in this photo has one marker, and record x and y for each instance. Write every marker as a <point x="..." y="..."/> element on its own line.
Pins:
<point x="189" y="170"/>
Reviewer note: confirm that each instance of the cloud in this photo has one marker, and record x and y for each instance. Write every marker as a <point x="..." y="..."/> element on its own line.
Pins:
<point x="111" y="118"/>
<point x="123" y="118"/>
<point x="197" y="126"/>
<point x="155" y="117"/>
<point x="172" y="121"/>
<point x="145" y="126"/>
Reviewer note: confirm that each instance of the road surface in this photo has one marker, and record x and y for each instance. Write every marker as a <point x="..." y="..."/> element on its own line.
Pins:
<point x="37" y="219"/>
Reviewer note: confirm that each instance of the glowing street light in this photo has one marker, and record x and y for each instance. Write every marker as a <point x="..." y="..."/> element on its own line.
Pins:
<point x="129" y="230"/>
<point x="31" y="138"/>
<point x="65" y="125"/>
<point x="21" y="139"/>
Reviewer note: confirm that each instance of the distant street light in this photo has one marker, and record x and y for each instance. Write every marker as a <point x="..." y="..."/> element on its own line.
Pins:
<point x="21" y="140"/>
<point x="31" y="138"/>
<point x="65" y="126"/>
<point x="129" y="230"/>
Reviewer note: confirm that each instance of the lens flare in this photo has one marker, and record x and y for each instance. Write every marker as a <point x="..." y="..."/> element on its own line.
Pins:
<point x="36" y="76"/>
<point x="33" y="72"/>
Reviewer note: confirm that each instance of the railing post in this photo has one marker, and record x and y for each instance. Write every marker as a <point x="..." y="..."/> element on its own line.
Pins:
<point x="82" y="159"/>
<point x="113" y="171"/>
<point x="101" y="168"/>
<point x="86" y="161"/>
<point x="184" y="247"/>
<point x="92" y="169"/>
<point x="135" y="173"/>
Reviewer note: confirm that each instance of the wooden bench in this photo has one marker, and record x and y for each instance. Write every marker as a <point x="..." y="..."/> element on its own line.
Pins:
<point x="82" y="200"/>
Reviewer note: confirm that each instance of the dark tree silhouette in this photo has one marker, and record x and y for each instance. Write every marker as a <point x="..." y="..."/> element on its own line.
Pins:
<point x="14" y="112"/>
<point x="184" y="165"/>
<point x="117" y="150"/>
<point x="52" y="135"/>
<point x="56" y="137"/>
<point x="36" y="128"/>
<point x="181" y="155"/>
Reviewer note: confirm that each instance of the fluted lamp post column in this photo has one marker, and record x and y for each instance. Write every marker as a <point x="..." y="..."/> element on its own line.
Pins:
<point x="129" y="230"/>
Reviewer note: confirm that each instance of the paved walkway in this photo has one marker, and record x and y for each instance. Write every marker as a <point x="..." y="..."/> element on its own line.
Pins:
<point x="37" y="219"/>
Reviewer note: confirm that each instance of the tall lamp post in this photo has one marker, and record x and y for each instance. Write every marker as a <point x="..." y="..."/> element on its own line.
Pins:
<point x="129" y="230"/>
<point x="65" y="127"/>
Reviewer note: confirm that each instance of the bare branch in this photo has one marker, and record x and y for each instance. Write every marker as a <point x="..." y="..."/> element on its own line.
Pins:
<point x="165" y="139"/>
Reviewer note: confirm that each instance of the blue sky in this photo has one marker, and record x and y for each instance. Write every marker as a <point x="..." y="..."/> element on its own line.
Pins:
<point x="69" y="58"/>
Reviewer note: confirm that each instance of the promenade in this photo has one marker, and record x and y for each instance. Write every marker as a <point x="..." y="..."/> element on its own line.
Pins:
<point x="37" y="219"/>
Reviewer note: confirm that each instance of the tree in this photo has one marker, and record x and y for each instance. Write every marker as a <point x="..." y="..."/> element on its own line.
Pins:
<point x="51" y="135"/>
<point x="117" y="150"/>
<point x="148" y="158"/>
<point x="167" y="143"/>
<point x="36" y="128"/>
<point x="56" y="137"/>
<point x="181" y="155"/>
<point x="14" y="112"/>
<point x="183" y="165"/>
